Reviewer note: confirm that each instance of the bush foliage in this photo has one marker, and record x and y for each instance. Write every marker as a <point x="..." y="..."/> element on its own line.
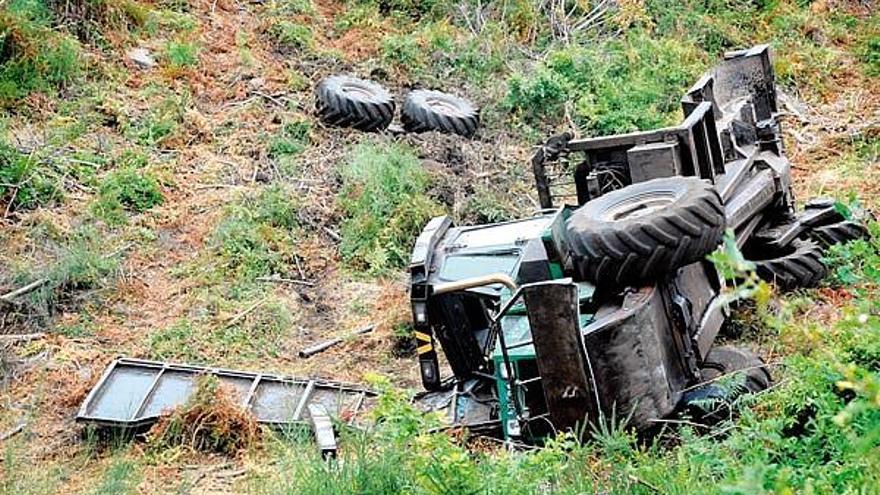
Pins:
<point x="383" y="197"/>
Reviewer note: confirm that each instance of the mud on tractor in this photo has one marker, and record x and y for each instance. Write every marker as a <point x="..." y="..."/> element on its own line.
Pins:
<point x="603" y="303"/>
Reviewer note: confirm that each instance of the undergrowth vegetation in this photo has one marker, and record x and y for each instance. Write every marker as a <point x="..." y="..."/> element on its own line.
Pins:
<point x="383" y="198"/>
<point x="126" y="189"/>
<point x="34" y="57"/>
<point x="257" y="237"/>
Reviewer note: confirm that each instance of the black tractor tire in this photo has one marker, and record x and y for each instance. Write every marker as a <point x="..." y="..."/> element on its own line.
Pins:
<point x="645" y="230"/>
<point x="427" y="110"/>
<point x="710" y="403"/>
<point x="839" y="233"/>
<point x="799" y="266"/>
<point x="724" y="359"/>
<point x="346" y="101"/>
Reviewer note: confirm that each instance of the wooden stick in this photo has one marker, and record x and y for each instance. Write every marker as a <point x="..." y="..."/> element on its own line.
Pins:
<point x="336" y="237"/>
<point x="21" y="337"/>
<point x="285" y="281"/>
<point x="11" y="433"/>
<point x="323" y="346"/>
<point x="235" y="319"/>
<point x="36" y="284"/>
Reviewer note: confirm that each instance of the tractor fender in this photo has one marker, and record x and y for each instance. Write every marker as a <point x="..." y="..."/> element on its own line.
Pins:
<point x="638" y="374"/>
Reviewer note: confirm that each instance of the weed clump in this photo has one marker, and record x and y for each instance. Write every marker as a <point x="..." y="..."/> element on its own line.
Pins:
<point x="291" y="36"/>
<point x="23" y="184"/>
<point x="83" y="262"/>
<point x="619" y="85"/>
<point x="33" y="57"/>
<point x="383" y="197"/>
<point x="211" y="421"/>
<point x="291" y="140"/>
<point x="127" y="189"/>
<point x="257" y="236"/>
<point x="181" y="54"/>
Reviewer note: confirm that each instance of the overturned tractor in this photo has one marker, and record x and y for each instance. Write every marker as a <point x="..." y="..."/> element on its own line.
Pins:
<point x="603" y="303"/>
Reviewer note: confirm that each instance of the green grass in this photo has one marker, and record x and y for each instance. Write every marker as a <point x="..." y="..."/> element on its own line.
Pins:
<point x="124" y="190"/>
<point x="181" y="54"/>
<point x="84" y="261"/>
<point x="18" y="475"/>
<point x="24" y="181"/>
<point x="257" y="236"/>
<point x="178" y="342"/>
<point x="292" y="139"/>
<point x="160" y="122"/>
<point x="213" y="340"/>
<point x="383" y="198"/>
<point x="121" y="477"/>
<point x="35" y="56"/>
<point x="292" y="35"/>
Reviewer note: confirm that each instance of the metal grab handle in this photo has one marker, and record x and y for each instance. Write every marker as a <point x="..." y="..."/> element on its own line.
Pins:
<point x="470" y="283"/>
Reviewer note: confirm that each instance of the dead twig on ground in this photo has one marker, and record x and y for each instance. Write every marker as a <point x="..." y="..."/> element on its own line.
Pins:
<point x="279" y="280"/>
<point x="336" y="237"/>
<point x="235" y="319"/>
<point x="323" y="346"/>
<point x="21" y="337"/>
<point x="14" y="431"/>
<point x="271" y="98"/>
<point x="36" y="284"/>
<point x="643" y="483"/>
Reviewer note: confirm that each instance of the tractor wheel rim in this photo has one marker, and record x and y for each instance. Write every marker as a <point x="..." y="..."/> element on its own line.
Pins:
<point x="356" y="90"/>
<point x="639" y="206"/>
<point x="445" y="106"/>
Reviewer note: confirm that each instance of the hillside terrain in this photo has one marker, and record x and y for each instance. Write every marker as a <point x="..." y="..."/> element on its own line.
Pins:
<point x="161" y="168"/>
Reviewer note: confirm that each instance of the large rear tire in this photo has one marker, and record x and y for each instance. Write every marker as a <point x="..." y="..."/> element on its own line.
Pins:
<point x="645" y="230"/>
<point x="346" y="101"/>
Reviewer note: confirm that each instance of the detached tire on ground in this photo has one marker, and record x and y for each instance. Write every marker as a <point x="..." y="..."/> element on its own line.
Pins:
<point x="645" y="230"/>
<point x="346" y="101"/>
<point x="800" y="265"/>
<point x="426" y="110"/>
<point x="710" y="403"/>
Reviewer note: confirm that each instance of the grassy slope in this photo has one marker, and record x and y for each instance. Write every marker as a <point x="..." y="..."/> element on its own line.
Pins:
<point x="152" y="199"/>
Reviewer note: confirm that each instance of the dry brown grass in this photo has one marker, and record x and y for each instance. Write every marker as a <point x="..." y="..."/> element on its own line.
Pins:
<point x="211" y="422"/>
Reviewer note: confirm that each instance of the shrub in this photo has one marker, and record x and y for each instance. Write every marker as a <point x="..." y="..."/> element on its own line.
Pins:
<point x="292" y="35"/>
<point x="23" y="182"/>
<point x="383" y="197"/>
<point x="402" y="50"/>
<point x="618" y="85"/>
<point x="181" y="54"/>
<point x="543" y="92"/>
<point x="412" y="9"/>
<point x="487" y="206"/>
<point x="870" y="55"/>
<point x="126" y="189"/>
<point x="257" y="235"/>
<point x="89" y="20"/>
<point x="34" y="57"/>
